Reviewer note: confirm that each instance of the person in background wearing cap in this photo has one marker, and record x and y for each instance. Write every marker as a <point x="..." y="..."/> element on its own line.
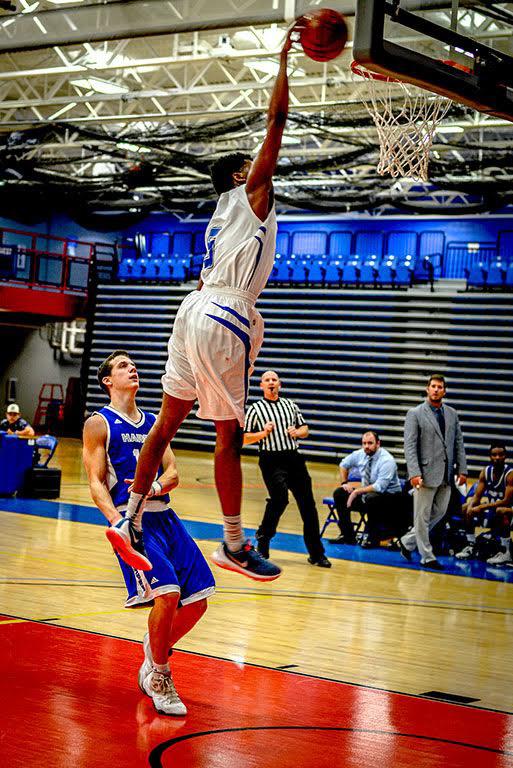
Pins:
<point x="13" y="424"/>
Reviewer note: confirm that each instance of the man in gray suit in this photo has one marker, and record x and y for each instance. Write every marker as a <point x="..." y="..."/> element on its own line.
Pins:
<point x="434" y="451"/>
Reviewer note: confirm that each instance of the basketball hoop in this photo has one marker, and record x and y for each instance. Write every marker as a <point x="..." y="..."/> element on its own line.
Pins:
<point x="406" y="118"/>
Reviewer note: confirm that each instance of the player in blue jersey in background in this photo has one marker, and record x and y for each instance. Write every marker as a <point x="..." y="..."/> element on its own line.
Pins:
<point x="495" y="484"/>
<point x="179" y="582"/>
<point x="217" y="334"/>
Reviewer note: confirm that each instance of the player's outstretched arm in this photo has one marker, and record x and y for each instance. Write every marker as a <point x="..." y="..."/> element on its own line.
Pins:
<point x="259" y="181"/>
<point x="95" y="463"/>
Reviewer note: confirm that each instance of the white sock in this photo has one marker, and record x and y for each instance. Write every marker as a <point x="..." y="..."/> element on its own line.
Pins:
<point x="163" y="669"/>
<point x="233" y="533"/>
<point x="471" y="538"/>
<point x="505" y="543"/>
<point x="135" y="509"/>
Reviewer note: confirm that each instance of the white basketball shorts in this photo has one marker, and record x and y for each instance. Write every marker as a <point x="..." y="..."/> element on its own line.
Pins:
<point x="211" y="353"/>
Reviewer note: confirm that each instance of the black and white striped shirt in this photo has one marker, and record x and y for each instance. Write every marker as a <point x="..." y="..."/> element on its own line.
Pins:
<point x="283" y="413"/>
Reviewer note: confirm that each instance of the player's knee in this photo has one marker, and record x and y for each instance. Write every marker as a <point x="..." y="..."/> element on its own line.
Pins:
<point x="229" y="439"/>
<point x="167" y="602"/>
<point x="339" y="493"/>
<point x="200" y="608"/>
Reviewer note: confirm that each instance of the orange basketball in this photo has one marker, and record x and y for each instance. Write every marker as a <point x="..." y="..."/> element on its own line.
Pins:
<point x="322" y="33"/>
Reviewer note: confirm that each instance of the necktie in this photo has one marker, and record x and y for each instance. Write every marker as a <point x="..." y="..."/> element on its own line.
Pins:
<point x="441" y="420"/>
<point x="367" y="472"/>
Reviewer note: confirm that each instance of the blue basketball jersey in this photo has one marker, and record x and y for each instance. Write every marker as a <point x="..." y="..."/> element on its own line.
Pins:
<point x="495" y="490"/>
<point x="124" y="442"/>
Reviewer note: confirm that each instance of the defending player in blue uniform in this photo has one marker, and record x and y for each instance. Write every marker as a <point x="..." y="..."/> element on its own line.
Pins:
<point x="179" y="581"/>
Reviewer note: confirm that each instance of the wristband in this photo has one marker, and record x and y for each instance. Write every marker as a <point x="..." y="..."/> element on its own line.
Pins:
<point x="155" y="490"/>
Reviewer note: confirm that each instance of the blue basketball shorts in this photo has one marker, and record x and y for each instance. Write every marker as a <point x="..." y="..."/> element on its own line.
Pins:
<point x="178" y="564"/>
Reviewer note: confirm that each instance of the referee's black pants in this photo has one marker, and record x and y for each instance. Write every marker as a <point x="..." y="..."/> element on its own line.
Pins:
<point x="283" y="471"/>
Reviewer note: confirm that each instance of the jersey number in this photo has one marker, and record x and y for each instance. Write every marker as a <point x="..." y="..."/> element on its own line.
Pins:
<point x="208" y="261"/>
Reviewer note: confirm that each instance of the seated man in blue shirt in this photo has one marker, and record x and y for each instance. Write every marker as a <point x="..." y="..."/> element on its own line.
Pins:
<point x="379" y="496"/>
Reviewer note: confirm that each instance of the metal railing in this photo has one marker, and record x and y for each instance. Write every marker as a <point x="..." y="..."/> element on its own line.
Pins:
<point x="49" y="262"/>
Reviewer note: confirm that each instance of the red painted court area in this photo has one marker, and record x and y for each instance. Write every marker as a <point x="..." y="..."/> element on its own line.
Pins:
<point x="70" y="700"/>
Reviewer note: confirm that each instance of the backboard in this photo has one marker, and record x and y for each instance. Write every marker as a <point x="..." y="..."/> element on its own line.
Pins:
<point x="463" y="51"/>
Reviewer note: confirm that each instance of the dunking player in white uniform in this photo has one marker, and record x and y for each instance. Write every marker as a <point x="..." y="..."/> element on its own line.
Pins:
<point x="216" y="337"/>
<point x="180" y="581"/>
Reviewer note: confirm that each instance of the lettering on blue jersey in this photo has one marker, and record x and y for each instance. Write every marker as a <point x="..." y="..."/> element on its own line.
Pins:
<point x="125" y="440"/>
<point x="208" y="261"/>
<point x="132" y="437"/>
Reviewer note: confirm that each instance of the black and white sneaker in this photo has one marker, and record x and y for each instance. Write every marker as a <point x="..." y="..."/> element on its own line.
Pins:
<point x="247" y="561"/>
<point x="128" y="543"/>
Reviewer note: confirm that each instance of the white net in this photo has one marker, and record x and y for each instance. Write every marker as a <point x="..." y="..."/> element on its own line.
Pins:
<point x="406" y="118"/>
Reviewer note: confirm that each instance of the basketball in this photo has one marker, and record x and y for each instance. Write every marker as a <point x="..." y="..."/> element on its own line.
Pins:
<point x="322" y="33"/>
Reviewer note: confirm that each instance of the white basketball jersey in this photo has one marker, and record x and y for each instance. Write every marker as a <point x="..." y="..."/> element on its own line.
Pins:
<point x="240" y="248"/>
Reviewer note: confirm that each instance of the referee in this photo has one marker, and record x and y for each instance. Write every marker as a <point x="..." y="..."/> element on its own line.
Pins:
<point x="276" y="424"/>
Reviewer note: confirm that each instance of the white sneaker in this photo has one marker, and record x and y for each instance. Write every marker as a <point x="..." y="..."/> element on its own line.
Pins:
<point x="163" y="692"/>
<point x="466" y="552"/>
<point x="147" y="666"/>
<point x="501" y="558"/>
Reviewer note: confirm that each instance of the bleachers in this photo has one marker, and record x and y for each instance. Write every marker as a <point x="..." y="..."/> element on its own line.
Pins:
<point x="316" y="258"/>
<point x="351" y="359"/>
<point x="497" y="275"/>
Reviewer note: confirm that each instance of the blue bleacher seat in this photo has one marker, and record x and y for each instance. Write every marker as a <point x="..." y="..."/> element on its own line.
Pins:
<point x="281" y="272"/>
<point x="140" y="268"/>
<point x="368" y="275"/>
<point x="509" y="277"/>
<point x="165" y="269"/>
<point x="179" y="274"/>
<point x="403" y="275"/>
<point x="298" y="274"/>
<point x="126" y="269"/>
<point x="316" y="273"/>
<point x="350" y="274"/>
<point x="333" y="274"/>
<point x="495" y="277"/>
<point x="152" y="269"/>
<point x="476" y="277"/>
<point x="385" y="275"/>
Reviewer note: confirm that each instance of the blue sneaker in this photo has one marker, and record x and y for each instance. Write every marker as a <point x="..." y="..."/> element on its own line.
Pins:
<point x="128" y="543"/>
<point x="247" y="561"/>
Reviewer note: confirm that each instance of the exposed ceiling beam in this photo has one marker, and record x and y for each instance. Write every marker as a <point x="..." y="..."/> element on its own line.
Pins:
<point x="142" y="18"/>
